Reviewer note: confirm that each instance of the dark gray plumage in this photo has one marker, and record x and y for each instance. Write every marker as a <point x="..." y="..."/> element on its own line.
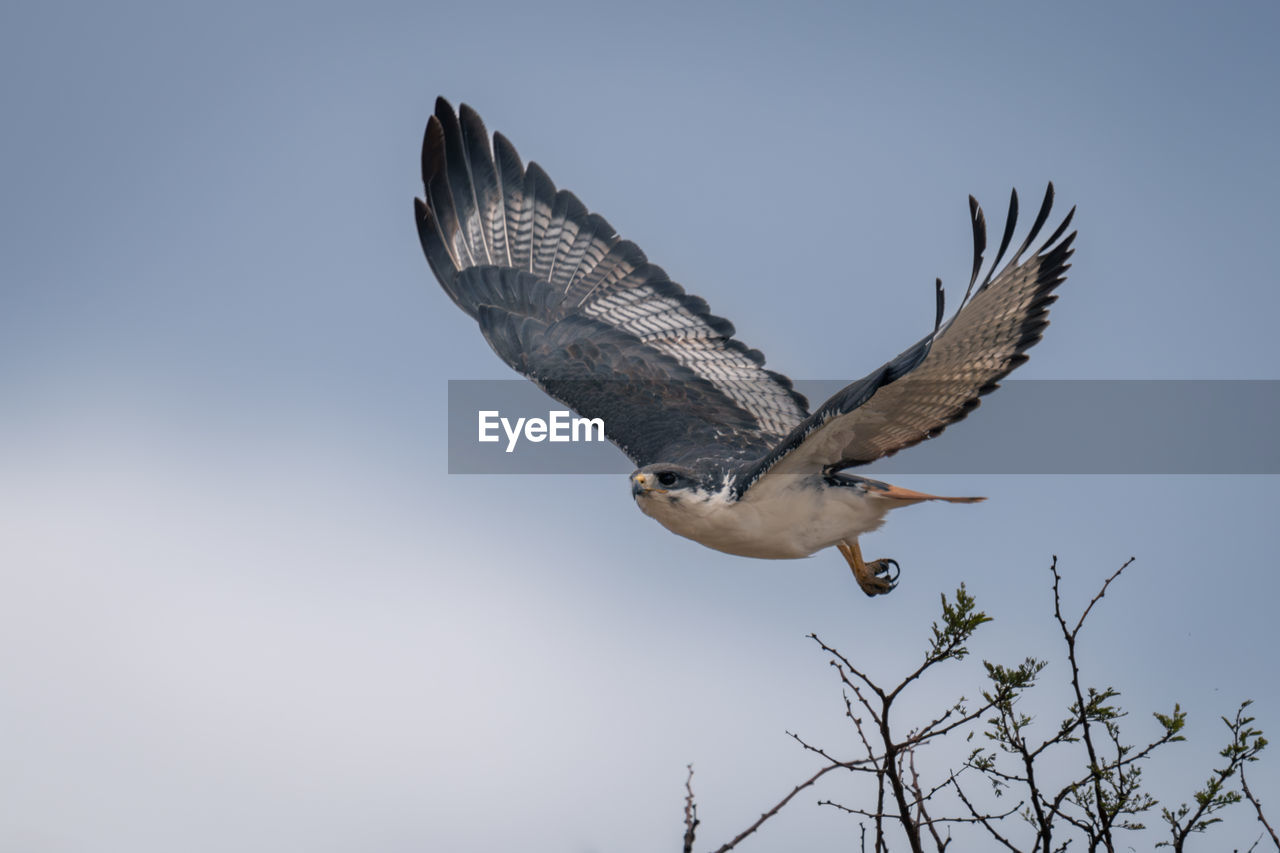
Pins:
<point x="581" y="312"/>
<point x="566" y="302"/>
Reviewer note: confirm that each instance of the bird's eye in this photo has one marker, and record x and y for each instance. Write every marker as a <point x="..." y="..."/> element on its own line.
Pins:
<point x="667" y="478"/>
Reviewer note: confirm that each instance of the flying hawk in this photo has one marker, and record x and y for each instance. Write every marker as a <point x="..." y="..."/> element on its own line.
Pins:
<point x="729" y="454"/>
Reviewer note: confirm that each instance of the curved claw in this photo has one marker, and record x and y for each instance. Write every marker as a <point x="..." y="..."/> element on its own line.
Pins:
<point x="876" y="577"/>
<point x="881" y="578"/>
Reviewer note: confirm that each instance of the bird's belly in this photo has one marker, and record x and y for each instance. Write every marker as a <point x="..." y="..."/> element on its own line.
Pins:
<point x="783" y="526"/>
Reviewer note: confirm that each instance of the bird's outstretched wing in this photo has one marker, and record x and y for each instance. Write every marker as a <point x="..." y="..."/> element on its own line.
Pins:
<point x="566" y="302"/>
<point x="939" y="380"/>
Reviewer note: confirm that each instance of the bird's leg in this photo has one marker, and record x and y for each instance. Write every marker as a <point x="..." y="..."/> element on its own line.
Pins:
<point x="875" y="578"/>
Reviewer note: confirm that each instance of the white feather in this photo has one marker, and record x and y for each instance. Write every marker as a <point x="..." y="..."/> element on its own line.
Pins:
<point x="782" y="517"/>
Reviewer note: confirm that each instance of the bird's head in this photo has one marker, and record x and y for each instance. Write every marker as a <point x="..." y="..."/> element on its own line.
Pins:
<point x="664" y="481"/>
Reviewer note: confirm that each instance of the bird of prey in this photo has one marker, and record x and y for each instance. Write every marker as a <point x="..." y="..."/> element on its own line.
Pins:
<point x="728" y="453"/>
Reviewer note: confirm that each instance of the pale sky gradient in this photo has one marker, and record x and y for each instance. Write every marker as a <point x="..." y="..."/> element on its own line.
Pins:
<point x="244" y="607"/>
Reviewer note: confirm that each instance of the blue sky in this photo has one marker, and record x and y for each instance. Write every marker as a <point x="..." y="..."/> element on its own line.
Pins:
<point x="243" y="605"/>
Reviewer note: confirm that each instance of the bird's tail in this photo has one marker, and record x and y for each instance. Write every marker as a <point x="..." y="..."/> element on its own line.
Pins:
<point x="897" y="493"/>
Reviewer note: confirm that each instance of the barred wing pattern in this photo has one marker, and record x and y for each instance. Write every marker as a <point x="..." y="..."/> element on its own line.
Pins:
<point x="940" y="379"/>
<point x="581" y="312"/>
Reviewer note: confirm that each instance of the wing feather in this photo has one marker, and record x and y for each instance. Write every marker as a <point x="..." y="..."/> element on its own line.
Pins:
<point x="544" y="200"/>
<point x="439" y="196"/>
<point x="488" y="193"/>
<point x="536" y="268"/>
<point x="517" y="202"/>
<point x="653" y="407"/>
<point x="940" y="379"/>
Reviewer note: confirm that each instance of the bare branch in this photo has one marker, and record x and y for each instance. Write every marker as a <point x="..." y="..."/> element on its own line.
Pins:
<point x="690" y="813"/>
<point x="929" y="730"/>
<point x="773" y="811"/>
<point x="1102" y="592"/>
<point x="847" y="665"/>
<point x="1104" y="818"/>
<point x="922" y="814"/>
<point x="848" y="809"/>
<point x="985" y="820"/>
<point x="858" y="764"/>
<point x="1257" y="806"/>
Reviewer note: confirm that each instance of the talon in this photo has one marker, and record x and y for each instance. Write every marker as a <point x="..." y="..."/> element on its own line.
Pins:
<point x="886" y="572"/>
<point x="876" y="578"/>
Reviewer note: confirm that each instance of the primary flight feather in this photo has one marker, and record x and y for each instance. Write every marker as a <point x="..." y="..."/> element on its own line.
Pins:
<point x="728" y="453"/>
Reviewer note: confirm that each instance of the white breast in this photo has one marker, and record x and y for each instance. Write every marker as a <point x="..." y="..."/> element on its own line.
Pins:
<point x="780" y="517"/>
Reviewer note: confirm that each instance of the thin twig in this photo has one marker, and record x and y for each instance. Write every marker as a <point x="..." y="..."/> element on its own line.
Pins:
<point x="985" y="820"/>
<point x="856" y="764"/>
<point x="690" y="813"/>
<point x="773" y="811"/>
<point x="922" y="815"/>
<point x="1104" y="819"/>
<point x="1102" y="592"/>
<point x="1257" y="806"/>
<point x="928" y="732"/>
<point x="891" y="769"/>
<point x="847" y="809"/>
<point x="844" y="660"/>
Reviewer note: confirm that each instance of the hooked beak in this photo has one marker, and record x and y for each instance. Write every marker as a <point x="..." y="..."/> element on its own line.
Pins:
<point x="643" y="484"/>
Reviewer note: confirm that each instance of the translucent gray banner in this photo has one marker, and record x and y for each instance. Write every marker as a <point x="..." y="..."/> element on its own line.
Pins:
<point x="1026" y="427"/>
